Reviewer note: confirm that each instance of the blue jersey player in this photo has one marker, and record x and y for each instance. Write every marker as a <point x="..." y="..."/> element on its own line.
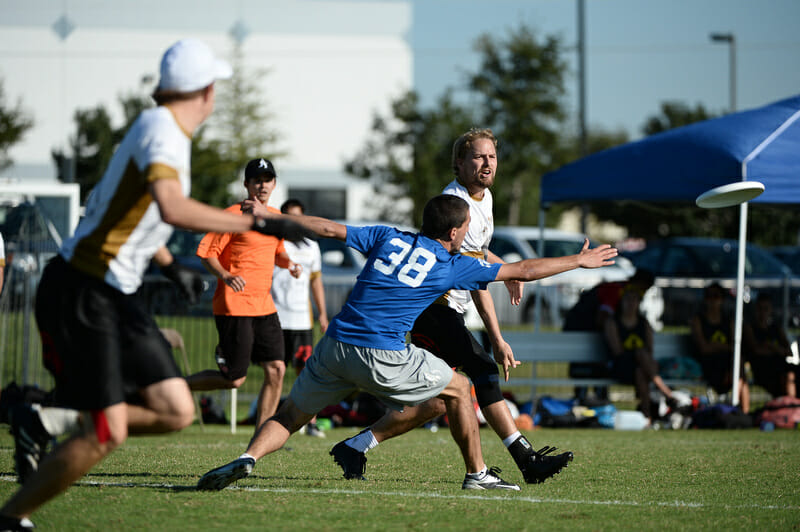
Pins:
<point x="364" y="347"/>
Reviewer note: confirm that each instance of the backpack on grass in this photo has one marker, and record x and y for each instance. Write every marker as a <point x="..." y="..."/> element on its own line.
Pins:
<point x="721" y="416"/>
<point x="784" y="412"/>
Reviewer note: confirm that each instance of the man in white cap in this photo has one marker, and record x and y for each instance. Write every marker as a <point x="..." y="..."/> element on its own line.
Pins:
<point x="109" y="361"/>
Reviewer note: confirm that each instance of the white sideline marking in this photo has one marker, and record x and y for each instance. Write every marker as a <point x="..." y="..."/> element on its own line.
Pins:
<point x="371" y="493"/>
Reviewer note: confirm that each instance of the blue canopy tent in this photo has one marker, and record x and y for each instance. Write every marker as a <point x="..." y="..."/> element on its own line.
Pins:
<point x="680" y="164"/>
<point x="761" y="144"/>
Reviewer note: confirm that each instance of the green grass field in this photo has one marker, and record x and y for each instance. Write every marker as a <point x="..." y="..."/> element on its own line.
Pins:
<point x="667" y="480"/>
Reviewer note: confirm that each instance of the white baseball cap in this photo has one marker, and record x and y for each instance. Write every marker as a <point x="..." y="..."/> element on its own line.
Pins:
<point x="189" y="65"/>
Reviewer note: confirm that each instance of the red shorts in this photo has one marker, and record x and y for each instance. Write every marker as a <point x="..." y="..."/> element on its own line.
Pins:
<point x="299" y="345"/>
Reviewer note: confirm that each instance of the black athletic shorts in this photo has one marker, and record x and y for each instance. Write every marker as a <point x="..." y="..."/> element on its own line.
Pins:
<point x="100" y="344"/>
<point x="246" y="339"/>
<point x="298" y="346"/>
<point x="442" y="331"/>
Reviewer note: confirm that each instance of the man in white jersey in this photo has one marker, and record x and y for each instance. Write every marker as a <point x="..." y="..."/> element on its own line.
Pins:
<point x="109" y="361"/>
<point x="292" y="296"/>
<point x="441" y="329"/>
<point x="365" y="348"/>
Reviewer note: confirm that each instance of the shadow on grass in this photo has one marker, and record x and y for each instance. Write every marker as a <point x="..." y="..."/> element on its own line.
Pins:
<point x="106" y="480"/>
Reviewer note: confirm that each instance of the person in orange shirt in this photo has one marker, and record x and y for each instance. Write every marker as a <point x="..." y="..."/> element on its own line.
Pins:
<point x="245" y="314"/>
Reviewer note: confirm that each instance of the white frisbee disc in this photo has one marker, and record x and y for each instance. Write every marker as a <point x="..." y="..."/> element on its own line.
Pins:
<point x="729" y="195"/>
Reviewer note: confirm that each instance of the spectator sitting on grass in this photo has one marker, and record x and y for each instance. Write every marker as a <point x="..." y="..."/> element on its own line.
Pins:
<point x="629" y="337"/>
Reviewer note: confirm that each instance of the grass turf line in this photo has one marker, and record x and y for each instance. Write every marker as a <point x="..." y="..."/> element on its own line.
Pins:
<point x="619" y="480"/>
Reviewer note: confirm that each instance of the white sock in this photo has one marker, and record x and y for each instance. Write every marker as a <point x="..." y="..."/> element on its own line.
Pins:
<point x="245" y="455"/>
<point x="480" y="474"/>
<point x="511" y="439"/>
<point x="362" y="442"/>
<point x="58" y="421"/>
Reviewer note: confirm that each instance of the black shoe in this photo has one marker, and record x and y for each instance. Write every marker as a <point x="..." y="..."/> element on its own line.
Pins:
<point x="541" y="465"/>
<point x="352" y="462"/>
<point x="30" y="440"/>
<point x="490" y="481"/>
<point x="13" y="524"/>
<point x="221" y="477"/>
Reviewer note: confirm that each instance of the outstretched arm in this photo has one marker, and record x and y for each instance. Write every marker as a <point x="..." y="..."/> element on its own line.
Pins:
<point x="180" y="211"/>
<point x="317" y="225"/>
<point x="532" y="269"/>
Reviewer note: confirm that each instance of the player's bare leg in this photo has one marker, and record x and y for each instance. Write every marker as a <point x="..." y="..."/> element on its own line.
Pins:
<point x="268" y="438"/>
<point x="168" y="407"/>
<point x="270" y="394"/>
<point x="71" y="460"/>
<point x="395" y="423"/>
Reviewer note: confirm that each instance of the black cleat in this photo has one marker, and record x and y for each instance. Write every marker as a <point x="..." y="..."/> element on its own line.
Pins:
<point x="13" y="524"/>
<point x="30" y="440"/>
<point x="221" y="477"/>
<point x="541" y="465"/>
<point x="352" y="462"/>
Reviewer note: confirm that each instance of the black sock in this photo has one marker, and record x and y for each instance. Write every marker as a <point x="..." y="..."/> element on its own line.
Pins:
<point x="520" y="450"/>
<point x="14" y="523"/>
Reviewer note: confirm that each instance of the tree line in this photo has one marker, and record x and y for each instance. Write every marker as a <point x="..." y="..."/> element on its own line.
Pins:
<point x="517" y="90"/>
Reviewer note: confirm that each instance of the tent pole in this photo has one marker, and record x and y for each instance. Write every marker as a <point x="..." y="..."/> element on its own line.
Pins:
<point x="737" y="331"/>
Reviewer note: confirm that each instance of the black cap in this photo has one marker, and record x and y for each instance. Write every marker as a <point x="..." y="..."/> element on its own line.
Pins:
<point x="259" y="167"/>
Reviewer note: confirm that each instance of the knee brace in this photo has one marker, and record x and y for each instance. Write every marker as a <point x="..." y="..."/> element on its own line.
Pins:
<point x="487" y="389"/>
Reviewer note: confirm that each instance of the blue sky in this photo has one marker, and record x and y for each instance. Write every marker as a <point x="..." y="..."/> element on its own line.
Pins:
<point x="639" y="52"/>
<point x="351" y="57"/>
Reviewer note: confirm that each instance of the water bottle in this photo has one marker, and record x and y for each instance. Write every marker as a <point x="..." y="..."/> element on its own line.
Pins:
<point x="629" y="420"/>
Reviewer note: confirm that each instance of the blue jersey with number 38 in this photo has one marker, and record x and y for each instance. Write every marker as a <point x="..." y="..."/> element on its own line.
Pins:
<point x="404" y="274"/>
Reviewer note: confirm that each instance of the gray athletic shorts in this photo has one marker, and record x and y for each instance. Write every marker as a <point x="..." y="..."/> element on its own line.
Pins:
<point x="396" y="378"/>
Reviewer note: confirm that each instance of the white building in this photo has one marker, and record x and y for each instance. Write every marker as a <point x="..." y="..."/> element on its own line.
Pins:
<point x="331" y="66"/>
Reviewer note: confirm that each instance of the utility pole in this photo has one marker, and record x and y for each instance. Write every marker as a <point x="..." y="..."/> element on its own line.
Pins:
<point x="730" y="39"/>
<point x="583" y="148"/>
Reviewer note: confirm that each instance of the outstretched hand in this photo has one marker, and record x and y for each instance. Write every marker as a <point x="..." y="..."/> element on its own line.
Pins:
<point x="602" y="255"/>
<point x="279" y="225"/>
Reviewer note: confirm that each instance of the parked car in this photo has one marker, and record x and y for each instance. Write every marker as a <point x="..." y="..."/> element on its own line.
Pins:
<point x="560" y="292"/>
<point x="683" y="266"/>
<point x="789" y="255"/>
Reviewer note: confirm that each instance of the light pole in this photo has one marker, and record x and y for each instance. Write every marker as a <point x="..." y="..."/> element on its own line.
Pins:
<point x="730" y="39"/>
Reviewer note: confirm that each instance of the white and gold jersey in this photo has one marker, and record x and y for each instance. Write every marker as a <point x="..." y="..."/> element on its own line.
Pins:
<point x="476" y="241"/>
<point x="122" y="228"/>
